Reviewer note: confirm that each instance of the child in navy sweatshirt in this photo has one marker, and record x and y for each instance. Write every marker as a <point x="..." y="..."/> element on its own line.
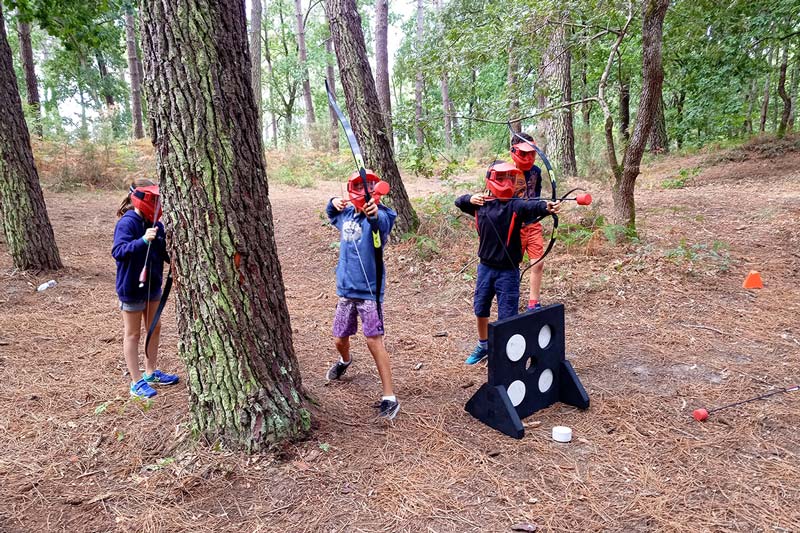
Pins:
<point x="139" y="241"/>
<point x="356" y="282"/>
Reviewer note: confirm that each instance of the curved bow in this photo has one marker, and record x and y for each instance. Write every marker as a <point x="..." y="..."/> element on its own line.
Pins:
<point x="164" y="294"/>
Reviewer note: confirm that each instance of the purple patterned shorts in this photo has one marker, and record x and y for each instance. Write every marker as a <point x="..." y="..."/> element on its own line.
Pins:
<point x="345" y="322"/>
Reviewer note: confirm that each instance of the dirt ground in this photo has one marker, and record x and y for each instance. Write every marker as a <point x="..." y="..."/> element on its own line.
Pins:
<point x="654" y="330"/>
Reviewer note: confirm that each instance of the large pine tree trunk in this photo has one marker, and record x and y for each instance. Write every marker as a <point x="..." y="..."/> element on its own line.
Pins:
<point x="134" y="71"/>
<point x="420" y="81"/>
<point x="382" y="63"/>
<point x="556" y="88"/>
<point x="255" y="57"/>
<point x="303" y="56"/>
<point x="235" y="336"/>
<point x="787" y="101"/>
<point x="32" y="87"/>
<point x="652" y="81"/>
<point x="659" y="142"/>
<point x="26" y="226"/>
<point x="363" y="107"/>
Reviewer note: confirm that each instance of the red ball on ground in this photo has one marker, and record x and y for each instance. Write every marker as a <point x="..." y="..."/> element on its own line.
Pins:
<point x="700" y="414"/>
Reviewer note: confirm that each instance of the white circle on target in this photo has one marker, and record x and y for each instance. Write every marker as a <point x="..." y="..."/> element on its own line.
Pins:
<point x="516" y="392"/>
<point x="515" y="347"/>
<point x="545" y="380"/>
<point x="544" y="336"/>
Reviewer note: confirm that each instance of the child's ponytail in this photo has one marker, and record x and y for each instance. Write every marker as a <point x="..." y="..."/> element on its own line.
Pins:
<point x="126" y="204"/>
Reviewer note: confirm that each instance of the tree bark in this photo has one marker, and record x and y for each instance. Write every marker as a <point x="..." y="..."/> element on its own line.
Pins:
<point x="652" y="82"/>
<point x="787" y="101"/>
<point x="31" y="85"/>
<point x="26" y="226"/>
<point x="271" y="85"/>
<point x="331" y="75"/>
<point x="382" y="64"/>
<point x="255" y="56"/>
<point x="235" y="336"/>
<point x="134" y="70"/>
<point x="793" y="93"/>
<point x="679" y="112"/>
<point x="659" y="142"/>
<point x="303" y="56"/>
<point x="555" y="87"/>
<point x="108" y="96"/>
<point x="747" y="127"/>
<point x="364" y="109"/>
<point x="586" y="107"/>
<point x="624" y="102"/>
<point x="447" y="105"/>
<point x="513" y="95"/>
<point x="765" y="103"/>
<point x="420" y="81"/>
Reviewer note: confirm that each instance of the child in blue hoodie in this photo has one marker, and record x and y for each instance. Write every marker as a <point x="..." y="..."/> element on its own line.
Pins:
<point x="139" y="240"/>
<point x="356" y="283"/>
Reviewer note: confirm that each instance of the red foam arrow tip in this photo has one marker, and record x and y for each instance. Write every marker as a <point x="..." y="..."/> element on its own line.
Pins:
<point x="583" y="199"/>
<point x="381" y="188"/>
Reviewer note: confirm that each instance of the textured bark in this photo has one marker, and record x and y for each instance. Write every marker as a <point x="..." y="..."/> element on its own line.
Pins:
<point x="31" y="85"/>
<point x="447" y="105"/>
<point x="235" y="336"/>
<point x="382" y="63"/>
<point x="555" y="87"/>
<point x="273" y="118"/>
<point x="26" y="226"/>
<point x="255" y="57"/>
<point x="793" y="94"/>
<point x="331" y="75"/>
<point x="134" y="71"/>
<point x="420" y="81"/>
<point x="765" y="103"/>
<point x="364" y="109"/>
<point x="747" y="127"/>
<point x="652" y="82"/>
<point x="659" y="142"/>
<point x="787" y="101"/>
<point x="105" y="81"/>
<point x="303" y="56"/>
<point x="624" y="103"/>
<point x="679" y="112"/>
<point x="513" y="94"/>
<point x="586" y="107"/>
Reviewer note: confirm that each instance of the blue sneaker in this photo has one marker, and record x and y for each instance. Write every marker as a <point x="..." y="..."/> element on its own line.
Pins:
<point x="535" y="307"/>
<point x="161" y="378"/>
<point x="142" y="389"/>
<point x="477" y="355"/>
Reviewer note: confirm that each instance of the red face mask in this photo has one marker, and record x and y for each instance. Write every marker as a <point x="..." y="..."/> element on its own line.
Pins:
<point x="500" y="180"/>
<point x="523" y="156"/>
<point x="147" y="200"/>
<point x="355" y="188"/>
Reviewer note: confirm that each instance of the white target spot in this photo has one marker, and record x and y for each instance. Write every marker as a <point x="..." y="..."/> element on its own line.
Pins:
<point x="545" y="380"/>
<point x="515" y="347"/>
<point x="516" y="392"/>
<point x="544" y="336"/>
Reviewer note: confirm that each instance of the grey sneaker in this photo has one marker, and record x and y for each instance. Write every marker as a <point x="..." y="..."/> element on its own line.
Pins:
<point x="388" y="409"/>
<point x="337" y="370"/>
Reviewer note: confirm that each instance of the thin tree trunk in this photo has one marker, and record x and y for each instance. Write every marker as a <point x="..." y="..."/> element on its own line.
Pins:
<point x="747" y="127"/>
<point x="765" y="105"/>
<point x="787" y="101"/>
<point x="331" y="75"/>
<point x="444" y="85"/>
<point x="364" y="109"/>
<point x="108" y="96"/>
<point x="303" y="56"/>
<point x="659" y="142"/>
<point x="32" y="87"/>
<point x="652" y="81"/>
<point x="793" y="93"/>
<point x="513" y="93"/>
<point x="382" y="63"/>
<point x="133" y="72"/>
<point x="270" y="75"/>
<point x="26" y="226"/>
<point x="624" y="101"/>
<point x="235" y="336"/>
<point x="255" y="57"/>
<point x="420" y="82"/>
<point x="586" y="107"/>
<point x="679" y="112"/>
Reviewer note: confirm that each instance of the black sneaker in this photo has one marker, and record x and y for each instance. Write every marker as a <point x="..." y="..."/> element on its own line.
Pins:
<point x="388" y="409"/>
<point x="337" y="370"/>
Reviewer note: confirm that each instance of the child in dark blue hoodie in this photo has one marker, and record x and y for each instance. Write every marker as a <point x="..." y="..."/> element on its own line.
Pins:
<point x="139" y="240"/>
<point x="356" y="283"/>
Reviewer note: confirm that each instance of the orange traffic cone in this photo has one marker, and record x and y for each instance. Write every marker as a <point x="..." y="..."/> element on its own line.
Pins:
<point x="753" y="281"/>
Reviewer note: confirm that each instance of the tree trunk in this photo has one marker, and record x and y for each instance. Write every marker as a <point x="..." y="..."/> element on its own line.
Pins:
<point x="255" y="57"/>
<point x="235" y="336"/>
<point x="420" y="80"/>
<point x="382" y="64"/>
<point x="271" y="85"/>
<point x="444" y="85"/>
<point x="331" y="75"/>
<point x="134" y="70"/>
<point x="108" y="96"/>
<point x="586" y="107"/>
<point x="652" y="81"/>
<point x="555" y="87"/>
<point x="513" y="94"/>
<point x="659" y="143"/>
<point x="624" y="103"/>
<point x="793" y="94"/>
<point x="787" y="101"/>
<point x="301" y="46"/>
<point x="26" y="226"/>
<point x="765" y="105"/>
<point x="26" y="53"/>
<point x="747" y="127"/>
<point x="364" y="109"/>
<point x="679" y="112"/>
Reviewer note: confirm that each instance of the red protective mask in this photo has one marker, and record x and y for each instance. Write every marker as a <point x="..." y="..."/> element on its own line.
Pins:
<point x="355" y="188"/>
<point x="501" y="179"/>
<point x="523" y="155"/>
<point x="147" y="200"/>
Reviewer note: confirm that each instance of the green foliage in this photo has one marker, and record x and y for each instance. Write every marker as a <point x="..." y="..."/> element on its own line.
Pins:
<point x="716" y="256"/>
<point x="679" y="180"/>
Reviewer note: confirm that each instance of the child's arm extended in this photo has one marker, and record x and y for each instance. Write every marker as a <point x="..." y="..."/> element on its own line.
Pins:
<point x="380" y="217"/>
<point x="126" y="243"/>
<point x="469" y="203"/>
<point x="529" y="209"/>
<point x="333" y="209"/>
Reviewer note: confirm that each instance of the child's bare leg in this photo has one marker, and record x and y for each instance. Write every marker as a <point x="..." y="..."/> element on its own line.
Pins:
<point x="537" y="271"/>
<point x="381" y="356"/>
<point x="151" y="357"/>
<point x="132" y="322"/>
<point x="343" y="347"/>
<point x="483" y="327"/>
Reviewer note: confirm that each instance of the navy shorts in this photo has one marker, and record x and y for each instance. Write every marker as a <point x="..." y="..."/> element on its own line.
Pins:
<point x="504" y="284"/>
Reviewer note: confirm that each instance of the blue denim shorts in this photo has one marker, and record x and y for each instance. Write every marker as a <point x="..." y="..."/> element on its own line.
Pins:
<point x="504" y="284"/>
<point x="133" y="307"/>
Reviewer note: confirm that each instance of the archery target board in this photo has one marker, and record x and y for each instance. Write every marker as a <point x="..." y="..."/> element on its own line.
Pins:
<point x="527" y="370"/>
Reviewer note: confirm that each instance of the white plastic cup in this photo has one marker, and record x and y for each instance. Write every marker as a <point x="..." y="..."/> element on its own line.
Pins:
<point x="49" y="285"/>
<point x="562" y="434"/>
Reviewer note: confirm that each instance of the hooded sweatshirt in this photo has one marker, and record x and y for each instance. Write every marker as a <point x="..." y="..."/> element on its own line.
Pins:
<point x="130" y="251"/>
<point x="355" y="273"/>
